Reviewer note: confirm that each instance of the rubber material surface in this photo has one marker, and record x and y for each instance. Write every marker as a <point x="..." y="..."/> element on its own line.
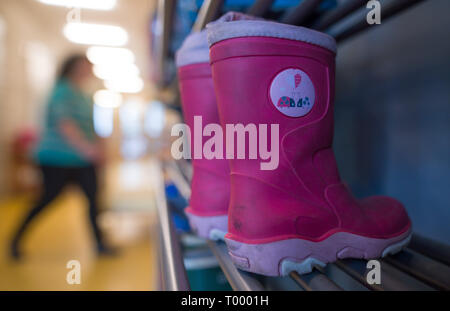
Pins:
<point x="281" y="257"/>
<point x="209" y="227"/>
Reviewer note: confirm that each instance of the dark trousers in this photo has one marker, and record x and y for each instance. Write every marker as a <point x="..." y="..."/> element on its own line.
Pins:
<point x="55" y="180"/>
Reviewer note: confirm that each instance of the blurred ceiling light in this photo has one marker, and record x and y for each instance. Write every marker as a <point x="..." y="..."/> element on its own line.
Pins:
<point x="107" y="99"/>
<point x="103" y="120"/>
<point x="155" y="119"/>
<point x="109" y="55"/>
<point x="130" y="116"/>
<point x="95" y="34"/>
<point x="125" y="85"/>
<point x="83" y="4"/>
<point x="112" y="72"/>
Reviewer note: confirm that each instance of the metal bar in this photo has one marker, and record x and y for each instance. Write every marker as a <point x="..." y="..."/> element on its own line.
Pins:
<point x="298" y="279"/>
<point x="318" y="281"/>
<point x="175" y="277"/>
<point x="155" y="235"/>
<point x="164" y="16"/>
<point x="163" y="262"/>
<point x="239" y="280"/>
<point x="260" y="7"/>
<point x="387" y="11"/>
<point x="315" y="281"/>
<point x="208" y="12"/>
<point x="357" y="276"/>
<point x="433" y="249"/>
<point x="185" y="169"/>
<point x="301" y="12"/>
<point x="393" y="279"/>
<point x="323" y="283"/>
<point x="175" y="174"/>
<point x="333" y="16"/>
<point x="161" y="272"/>
<point x="422" y="268"/>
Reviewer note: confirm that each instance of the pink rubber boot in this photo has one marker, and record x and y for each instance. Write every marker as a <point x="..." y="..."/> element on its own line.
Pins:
<point x="300" y="214"/>
<point x="210" y="186"/>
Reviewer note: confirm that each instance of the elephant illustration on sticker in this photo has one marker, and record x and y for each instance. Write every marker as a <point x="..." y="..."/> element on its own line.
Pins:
<point x="292" y="92"/>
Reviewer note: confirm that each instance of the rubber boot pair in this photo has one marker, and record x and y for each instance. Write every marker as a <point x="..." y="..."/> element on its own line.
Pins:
<point x="299" y="214"/>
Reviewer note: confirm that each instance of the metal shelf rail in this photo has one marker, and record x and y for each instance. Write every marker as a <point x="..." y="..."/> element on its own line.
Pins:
<point x="174" y="276"/>
<point x="298" y="15"/>
<point x="424" y="265"/>
<point x="239" y="280"/>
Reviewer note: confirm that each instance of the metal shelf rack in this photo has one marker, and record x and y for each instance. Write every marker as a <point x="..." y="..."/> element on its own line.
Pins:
<point x="424" y="265"/>
<point x="300" y="14"/>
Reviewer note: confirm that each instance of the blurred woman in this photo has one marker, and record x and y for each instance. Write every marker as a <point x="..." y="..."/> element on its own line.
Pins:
<point x="69" y="150"/>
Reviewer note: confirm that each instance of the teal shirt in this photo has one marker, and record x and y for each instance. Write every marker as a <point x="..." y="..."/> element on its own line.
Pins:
<point x="65" y="103"/>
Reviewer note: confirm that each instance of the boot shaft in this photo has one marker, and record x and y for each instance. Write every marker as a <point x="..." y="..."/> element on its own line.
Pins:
<point x="210" y="181"/>
<point x="290" y="83"/>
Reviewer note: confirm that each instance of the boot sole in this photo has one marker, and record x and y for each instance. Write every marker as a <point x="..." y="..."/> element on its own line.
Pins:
<point x="209" y="227"/>
<point x="282" y="257"/>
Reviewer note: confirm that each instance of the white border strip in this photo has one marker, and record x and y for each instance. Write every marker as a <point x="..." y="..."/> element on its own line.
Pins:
<point x="194" y="50"/>
<point x="222" y="30"/>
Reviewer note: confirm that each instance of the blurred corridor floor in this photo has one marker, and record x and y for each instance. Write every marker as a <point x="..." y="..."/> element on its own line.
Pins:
<point x="62" y="234"/>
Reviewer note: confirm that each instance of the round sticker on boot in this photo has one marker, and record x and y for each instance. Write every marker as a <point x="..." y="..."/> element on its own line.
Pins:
<point x="292" y="92"/>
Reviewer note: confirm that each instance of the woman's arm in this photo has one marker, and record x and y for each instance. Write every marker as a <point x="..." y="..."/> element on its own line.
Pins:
<point x="76" y="138"/>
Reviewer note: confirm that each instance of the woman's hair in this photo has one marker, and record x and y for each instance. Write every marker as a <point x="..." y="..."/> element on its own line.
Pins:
<point x="69" y="65"/>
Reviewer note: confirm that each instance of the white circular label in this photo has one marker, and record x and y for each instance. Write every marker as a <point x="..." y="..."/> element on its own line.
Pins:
<point x="292" y="92"/>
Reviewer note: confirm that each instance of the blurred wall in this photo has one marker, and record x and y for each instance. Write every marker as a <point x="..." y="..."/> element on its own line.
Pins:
<point x="32" y="46"/>
<point x="393" y="114"/>
<point x="31" y="53"/>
